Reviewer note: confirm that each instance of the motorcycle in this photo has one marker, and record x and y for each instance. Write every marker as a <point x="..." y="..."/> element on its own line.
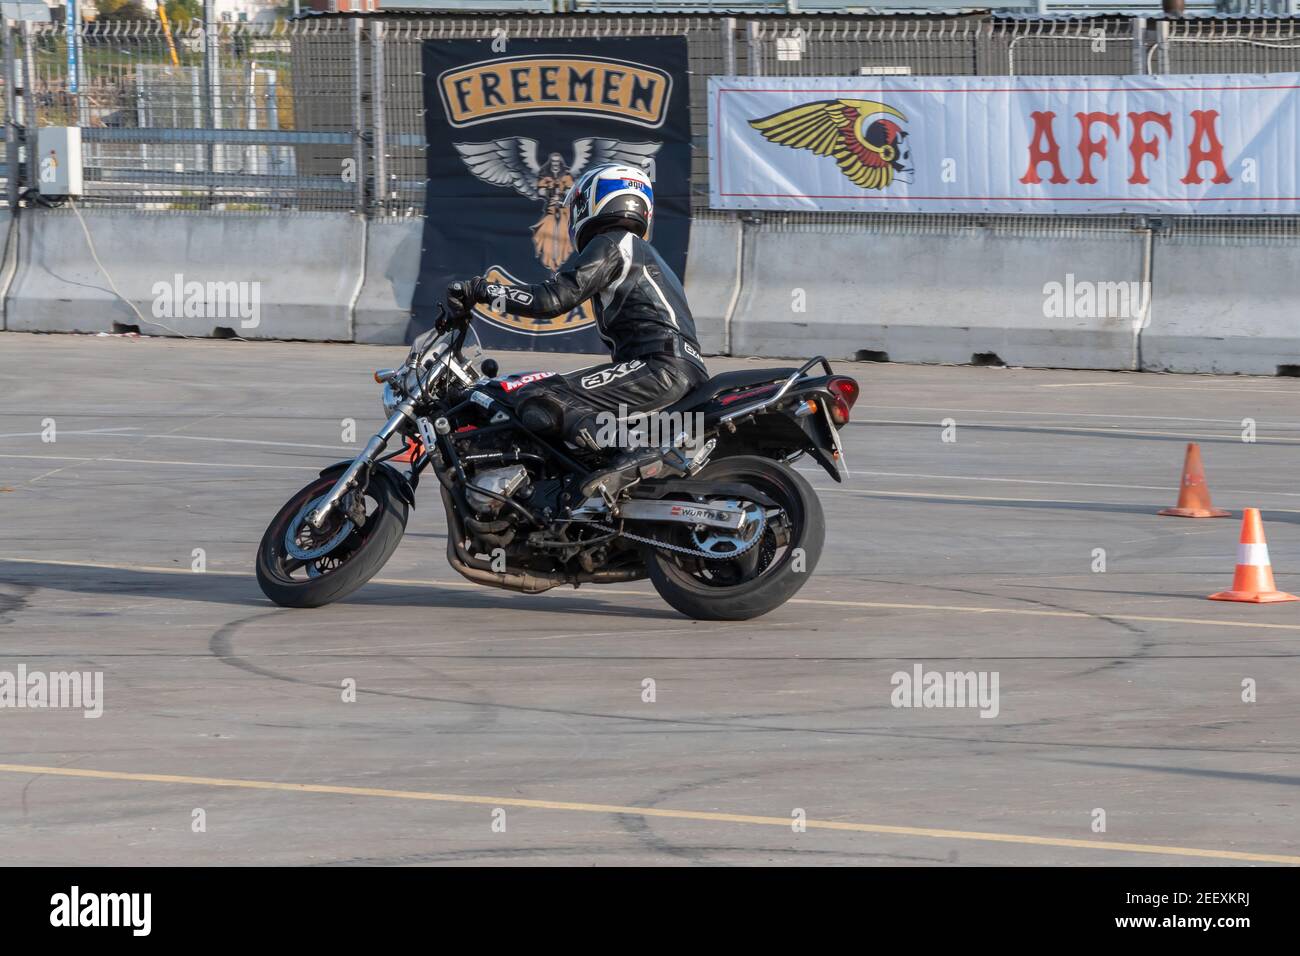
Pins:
<point x="726" y="531"/>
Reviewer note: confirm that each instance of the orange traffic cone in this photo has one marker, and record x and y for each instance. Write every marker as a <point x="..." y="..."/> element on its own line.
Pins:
<point x="1193" y="492"/>
<point x="412" y="451"/>
<point x="1253" y="581"/>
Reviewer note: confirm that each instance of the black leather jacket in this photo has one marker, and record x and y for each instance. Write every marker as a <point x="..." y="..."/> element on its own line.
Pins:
<point x="640" y="305"/>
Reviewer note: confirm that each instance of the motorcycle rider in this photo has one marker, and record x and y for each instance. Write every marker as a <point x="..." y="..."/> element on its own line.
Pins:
<point x="641" y="314"/>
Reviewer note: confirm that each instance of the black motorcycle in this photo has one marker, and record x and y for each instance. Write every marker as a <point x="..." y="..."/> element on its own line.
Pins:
<point x="726" y="531"/>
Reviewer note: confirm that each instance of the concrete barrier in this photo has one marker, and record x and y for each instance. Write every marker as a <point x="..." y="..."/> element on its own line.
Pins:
<point x="1224" y="305"/>
<point x="907" y="294"/>
<point x="280" y="277"/>
<point x="712" y="279"/>
<point x="383" y="308"/>
<point x="8" y="258"/>
<point x="969" y="295"/>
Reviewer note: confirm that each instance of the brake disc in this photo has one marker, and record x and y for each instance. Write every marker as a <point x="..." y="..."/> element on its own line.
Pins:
<point x="311" y="550"/>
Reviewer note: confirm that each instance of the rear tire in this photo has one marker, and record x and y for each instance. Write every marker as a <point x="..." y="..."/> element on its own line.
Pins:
<point x="679" y="581"/>
<point x="355" y="561"/>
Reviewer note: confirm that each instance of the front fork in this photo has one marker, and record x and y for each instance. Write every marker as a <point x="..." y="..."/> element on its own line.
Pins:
<point x="364" y="461"/>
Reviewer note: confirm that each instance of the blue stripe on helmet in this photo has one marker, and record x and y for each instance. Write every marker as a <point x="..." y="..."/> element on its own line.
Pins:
<point x="606" y="186"/>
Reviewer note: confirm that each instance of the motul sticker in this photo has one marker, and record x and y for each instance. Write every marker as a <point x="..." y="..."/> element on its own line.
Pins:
<point x="511" y="384"/>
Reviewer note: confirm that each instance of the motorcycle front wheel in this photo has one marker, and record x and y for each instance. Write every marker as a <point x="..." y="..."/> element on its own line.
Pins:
<point x="770" y="565"/>
<point x="300" y="567"/>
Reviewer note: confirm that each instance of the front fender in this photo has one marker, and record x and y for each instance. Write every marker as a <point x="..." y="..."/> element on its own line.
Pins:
<point x="399" y="480"/>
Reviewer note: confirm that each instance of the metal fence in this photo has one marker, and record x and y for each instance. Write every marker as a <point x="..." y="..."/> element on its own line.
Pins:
<point x="326" y="114"/>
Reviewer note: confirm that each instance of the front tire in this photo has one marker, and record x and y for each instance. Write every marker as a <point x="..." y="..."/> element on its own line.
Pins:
<point x="711" y="591"/>
<point x="291" y="582"/>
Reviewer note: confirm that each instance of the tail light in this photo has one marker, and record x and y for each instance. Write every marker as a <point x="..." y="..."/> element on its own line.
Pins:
<point x="844" y="393"/>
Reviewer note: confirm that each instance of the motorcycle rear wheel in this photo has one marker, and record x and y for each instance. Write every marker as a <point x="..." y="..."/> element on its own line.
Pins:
<point x="765" y="576"/>
<point x="292" y="582"/>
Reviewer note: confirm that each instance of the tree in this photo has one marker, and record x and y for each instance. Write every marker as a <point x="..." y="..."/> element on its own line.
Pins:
<point x="122" y="10"/>
<point x="181" y="12"/>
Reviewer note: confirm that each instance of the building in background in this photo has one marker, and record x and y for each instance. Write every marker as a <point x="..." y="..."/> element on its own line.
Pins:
<point x="759" y="7"/>
<point x="343" y="6"/>
<point x="35" y="10"/>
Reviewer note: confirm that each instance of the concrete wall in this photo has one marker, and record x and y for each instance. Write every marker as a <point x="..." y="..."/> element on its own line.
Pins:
<point x="913" y="293"/>
<point x="8" y="257"/>
<point x="392" y="265"/>
<point x="931" y="298"/>
<point x="1224" y="305"/>
<point x="299" y="274"/>
<point x="713" y="278"/>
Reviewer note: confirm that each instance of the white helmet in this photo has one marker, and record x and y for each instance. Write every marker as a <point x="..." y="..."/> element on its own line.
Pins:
<point x="608" y="194"/>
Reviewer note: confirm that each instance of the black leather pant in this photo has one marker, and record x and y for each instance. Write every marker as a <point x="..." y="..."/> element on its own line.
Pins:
<point x="579" y="406"/>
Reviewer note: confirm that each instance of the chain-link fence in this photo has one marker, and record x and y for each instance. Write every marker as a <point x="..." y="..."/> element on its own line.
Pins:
<point x="327" y="113"/>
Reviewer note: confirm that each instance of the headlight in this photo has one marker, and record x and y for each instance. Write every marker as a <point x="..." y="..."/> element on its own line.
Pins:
<point x="391" y="400"/>
<point x="411" y="382"/>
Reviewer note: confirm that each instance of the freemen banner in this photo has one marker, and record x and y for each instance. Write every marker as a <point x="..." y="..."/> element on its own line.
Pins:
<point x="1043" y="144"/>
<point x="511" y="124"/>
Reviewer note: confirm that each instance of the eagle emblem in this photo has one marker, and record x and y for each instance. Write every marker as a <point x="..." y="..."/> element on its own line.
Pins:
<point x="513" y="162"/>
<point x="869" y="146"/>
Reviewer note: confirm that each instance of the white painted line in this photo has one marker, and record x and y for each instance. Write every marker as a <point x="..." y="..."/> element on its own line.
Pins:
<point x="1236" y="435"/>
<point x="1065" y="413"/>
<point x="115" y="433"/>
<point x="1279" y="390"/>
<point x="877" y="492"/>
<point x="94" y="432"/>
<point x="1015" y="481"/>
<point x="1042" y="481"/>
<point x="150" y="461"/>
<point x="257" y="441"/>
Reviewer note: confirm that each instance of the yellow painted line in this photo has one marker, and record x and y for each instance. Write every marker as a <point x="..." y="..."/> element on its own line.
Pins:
<point x="606" y="808"/>
<point x="824" y="602"/>
<point x="1034" y="612"/>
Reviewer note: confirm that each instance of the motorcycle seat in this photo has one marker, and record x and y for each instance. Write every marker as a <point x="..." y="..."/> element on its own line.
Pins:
<point x="727" y="381"/>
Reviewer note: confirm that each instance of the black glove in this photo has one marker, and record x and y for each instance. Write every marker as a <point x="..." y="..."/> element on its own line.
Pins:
<point x="464" y="293"/>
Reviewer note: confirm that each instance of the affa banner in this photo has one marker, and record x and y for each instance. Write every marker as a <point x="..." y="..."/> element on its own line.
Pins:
<point x="1043" y="144"/>
<point x="510" y="125"/>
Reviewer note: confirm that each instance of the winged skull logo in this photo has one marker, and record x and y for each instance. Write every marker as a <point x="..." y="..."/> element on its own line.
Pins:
<point x="513" y="161"/>
<point x="868" y="145"/>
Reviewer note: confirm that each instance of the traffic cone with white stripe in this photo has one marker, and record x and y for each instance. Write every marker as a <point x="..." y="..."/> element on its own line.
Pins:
<point x="1253" y="581"/>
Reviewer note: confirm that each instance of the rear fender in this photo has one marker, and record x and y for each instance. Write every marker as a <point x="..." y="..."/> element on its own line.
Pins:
<point x="780" y="433"/>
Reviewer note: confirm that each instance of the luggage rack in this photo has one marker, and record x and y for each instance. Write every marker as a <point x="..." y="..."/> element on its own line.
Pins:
<point x="785" y="387"/>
